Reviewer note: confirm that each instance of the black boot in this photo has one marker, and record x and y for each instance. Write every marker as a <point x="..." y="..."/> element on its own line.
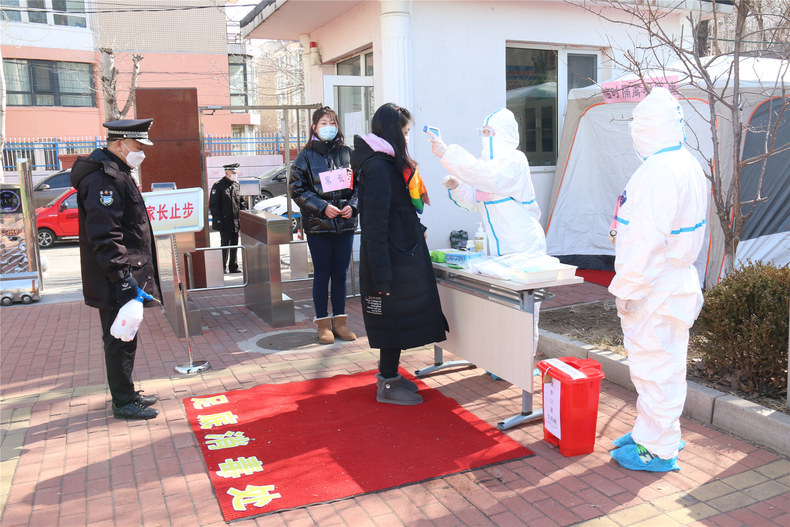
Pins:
<point x="394" y="391"/>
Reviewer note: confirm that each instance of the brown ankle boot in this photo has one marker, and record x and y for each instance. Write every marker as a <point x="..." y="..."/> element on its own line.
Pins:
<point x="324" y="330"/>
<point x="340" y="328"/>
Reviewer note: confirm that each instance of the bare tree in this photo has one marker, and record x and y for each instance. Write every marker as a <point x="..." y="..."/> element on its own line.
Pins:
<point x="2" y="114"/>
<point x="109" y="78"/>
<point x="719" y="30"/>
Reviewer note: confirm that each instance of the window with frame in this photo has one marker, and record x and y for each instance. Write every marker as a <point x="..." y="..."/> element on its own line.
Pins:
<point x="48" y="83"/>
<point x="69" y="13"/>
<point x="537" y="82"/>
<point x="237" y="71"/>
<point x="10" y="15"/>
<point x="356" y="66"/>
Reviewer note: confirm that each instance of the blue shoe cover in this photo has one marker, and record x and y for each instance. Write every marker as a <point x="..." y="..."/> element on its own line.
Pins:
<point x="626" y="439"/>
<point x="536" y="372"/>
<point x="629" y="457"/>
<point x="493" y="376"/>
<point x="623" y="440"/>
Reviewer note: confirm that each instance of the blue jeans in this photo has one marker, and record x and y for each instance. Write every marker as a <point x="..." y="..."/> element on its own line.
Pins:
<point x="331" y="253"/>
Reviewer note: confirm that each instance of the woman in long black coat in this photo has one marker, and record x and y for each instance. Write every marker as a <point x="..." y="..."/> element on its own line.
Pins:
<point x="400" y="300"/>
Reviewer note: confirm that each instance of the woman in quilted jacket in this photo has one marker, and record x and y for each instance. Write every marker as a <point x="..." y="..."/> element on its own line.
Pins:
<point x="326" y="191"/>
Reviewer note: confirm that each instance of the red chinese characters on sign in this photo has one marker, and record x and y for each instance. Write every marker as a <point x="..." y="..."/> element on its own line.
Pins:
<point x="636" y="90"/>
<point x="173" y="212"/>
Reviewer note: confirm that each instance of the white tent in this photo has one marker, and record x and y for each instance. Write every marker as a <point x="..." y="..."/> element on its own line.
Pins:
<point x="596" y="159"/>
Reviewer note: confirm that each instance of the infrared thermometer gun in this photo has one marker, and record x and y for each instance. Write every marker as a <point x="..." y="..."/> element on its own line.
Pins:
<point x="433" y="133"/>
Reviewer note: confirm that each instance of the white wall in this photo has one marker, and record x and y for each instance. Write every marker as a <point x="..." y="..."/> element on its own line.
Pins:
<point x="46" y="36"/>
<point x="458" y="51"/>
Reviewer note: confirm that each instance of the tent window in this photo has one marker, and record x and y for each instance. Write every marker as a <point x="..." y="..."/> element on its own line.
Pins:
<point x="531" y="84"/>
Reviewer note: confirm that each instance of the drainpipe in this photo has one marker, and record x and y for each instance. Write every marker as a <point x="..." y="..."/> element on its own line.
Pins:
<point x="396" y="67"/>
<point x="304" y="39"/>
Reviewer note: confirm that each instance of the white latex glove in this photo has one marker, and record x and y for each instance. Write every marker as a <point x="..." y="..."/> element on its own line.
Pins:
<point x="438" y="148"/>
<point x="450" y="182"/>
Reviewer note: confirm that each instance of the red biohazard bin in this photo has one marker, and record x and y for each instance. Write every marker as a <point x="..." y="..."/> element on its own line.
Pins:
<point x="570" y="403"/>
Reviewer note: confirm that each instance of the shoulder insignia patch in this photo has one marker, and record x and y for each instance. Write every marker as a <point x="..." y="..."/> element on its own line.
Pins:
<point x="106" y="197"/>
<point x="213" y="191"/>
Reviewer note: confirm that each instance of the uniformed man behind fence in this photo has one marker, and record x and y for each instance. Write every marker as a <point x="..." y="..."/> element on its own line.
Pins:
<point x="117" y="251"/>
<point x="225" y="202"/>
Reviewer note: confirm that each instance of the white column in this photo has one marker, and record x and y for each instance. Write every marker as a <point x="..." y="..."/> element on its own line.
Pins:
<point x="396" y="67"/>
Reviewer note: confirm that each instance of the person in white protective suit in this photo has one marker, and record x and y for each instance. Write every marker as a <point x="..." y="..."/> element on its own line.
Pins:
<point x="660" y="231"/>
<point x="499" y="186"/>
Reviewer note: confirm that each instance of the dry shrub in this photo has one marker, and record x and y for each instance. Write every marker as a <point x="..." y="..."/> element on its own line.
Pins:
<point x="742" y="331"/>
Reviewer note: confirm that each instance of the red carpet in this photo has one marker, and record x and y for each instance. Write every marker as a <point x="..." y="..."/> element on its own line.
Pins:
<point x="603" y="278"/>
<point x="282" y="446"/>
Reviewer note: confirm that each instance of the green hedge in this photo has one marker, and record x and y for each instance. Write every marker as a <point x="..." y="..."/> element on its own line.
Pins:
<point x="742" y="330"/>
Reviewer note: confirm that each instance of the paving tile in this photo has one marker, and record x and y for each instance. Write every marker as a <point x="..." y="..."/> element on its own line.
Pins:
<point x="67" y="443"/>
<point x="600" y="522"/>
<point x="636" y="514"/>
<point x="776" y="469"/>
<point x="712" y="490"/>
<point x="506" y="519"/>
<point x="557" y="512"/>
<point x="698" y="511"/>
<point x="663" y="521"/>
<point x="745" y="480"/>
<point x="769" y="489"/>
<point x="731" y="501"/>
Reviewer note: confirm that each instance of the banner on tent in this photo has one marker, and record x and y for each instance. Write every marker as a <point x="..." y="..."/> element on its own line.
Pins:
<point x="635" y="90"/>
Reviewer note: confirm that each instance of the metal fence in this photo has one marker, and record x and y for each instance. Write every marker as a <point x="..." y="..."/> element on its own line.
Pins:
<point x="216" y="145"/>
<point x="44" y="153"/>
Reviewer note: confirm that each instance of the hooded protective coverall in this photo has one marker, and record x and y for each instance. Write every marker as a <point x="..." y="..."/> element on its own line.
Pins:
<point x="660" y="230"/>
<point x="499" y="186"/>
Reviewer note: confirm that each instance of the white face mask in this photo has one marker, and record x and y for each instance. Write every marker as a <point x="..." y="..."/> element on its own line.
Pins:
<point x="134" y="159"/>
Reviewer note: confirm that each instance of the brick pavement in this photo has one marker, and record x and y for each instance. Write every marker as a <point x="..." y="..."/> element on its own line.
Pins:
<point x="65" y="461"/>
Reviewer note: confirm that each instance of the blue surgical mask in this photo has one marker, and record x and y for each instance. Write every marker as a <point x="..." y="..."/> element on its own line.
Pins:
<point x="327" y="133"/>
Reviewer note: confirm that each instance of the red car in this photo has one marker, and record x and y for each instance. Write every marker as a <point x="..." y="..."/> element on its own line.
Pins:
<point x="58" y="220"/>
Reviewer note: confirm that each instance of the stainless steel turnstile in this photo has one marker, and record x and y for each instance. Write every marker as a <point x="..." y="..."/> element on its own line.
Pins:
<point x="262" y="234"/>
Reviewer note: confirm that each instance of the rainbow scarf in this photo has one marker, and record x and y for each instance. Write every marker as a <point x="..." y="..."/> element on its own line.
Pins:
<point x="416" y="188"/>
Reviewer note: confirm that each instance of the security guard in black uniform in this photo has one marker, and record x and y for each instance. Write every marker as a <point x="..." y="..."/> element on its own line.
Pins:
<point x="117" y="250"/>
<point x="225" y="202"/>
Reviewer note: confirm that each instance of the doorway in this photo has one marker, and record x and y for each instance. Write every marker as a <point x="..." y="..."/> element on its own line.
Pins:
<point x="352" y="98"/>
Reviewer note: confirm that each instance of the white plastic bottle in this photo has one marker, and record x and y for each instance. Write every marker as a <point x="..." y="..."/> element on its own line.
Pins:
<point x="129" y="318"/>
<point x="480" y="239"/>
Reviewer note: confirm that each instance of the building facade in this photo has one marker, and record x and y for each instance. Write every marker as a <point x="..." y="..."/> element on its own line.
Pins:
<point x="452" y="63"/>
<point x="53" y="64"/>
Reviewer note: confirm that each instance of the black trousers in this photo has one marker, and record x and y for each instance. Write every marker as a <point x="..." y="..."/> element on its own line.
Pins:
<point x="119" y="360"/>
<point x="389" y="359"/>
<point x="229" y="255"/>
